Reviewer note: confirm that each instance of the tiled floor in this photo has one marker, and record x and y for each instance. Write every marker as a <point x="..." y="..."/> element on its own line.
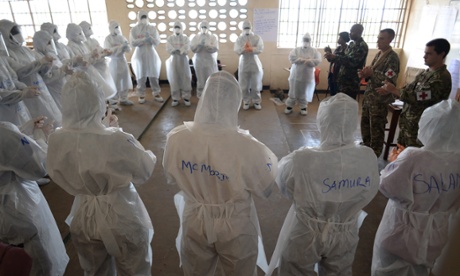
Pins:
<point x="281" y="133"/>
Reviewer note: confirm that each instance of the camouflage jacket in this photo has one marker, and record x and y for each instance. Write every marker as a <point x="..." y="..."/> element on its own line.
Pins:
<point x="386" y="69"/>
<point x="428" y="88"/>
<point x="352" y="61"/>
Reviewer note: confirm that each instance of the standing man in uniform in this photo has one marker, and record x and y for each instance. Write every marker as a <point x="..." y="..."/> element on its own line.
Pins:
<point x="429" y="87"/>
<point x="352" y="61"/>
<point x="384" y="67"/>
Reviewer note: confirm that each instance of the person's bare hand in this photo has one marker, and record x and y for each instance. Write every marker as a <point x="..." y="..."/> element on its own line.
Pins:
<point x="329" y="56"/>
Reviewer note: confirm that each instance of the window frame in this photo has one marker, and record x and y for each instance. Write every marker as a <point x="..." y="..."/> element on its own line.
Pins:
<point x="327" y="18"/>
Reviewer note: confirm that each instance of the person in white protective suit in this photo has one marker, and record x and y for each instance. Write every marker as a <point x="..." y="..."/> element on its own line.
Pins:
<point x="99" y="60"/>
<point x="76" y="44"/>
<point x="110" y="226"/>
<point x="28" y="65"/>
<point x="323" y="222"/>
<point x="302" y="84"/>
<point x="218" y="167"/>
<point x="12" y="91"/>
<point x="177" y="66"/>
<point x="55" y="75"/>
<point x="119" y="45"/>
<point x="205" y="46"/>
<point x="146" y="62"/>
<point x="13" y="109"/>
<point x="422" y="185"/>
<point x="63" y="52"/>
<point x="250" y="73"/>
<point x="25" y="217"/>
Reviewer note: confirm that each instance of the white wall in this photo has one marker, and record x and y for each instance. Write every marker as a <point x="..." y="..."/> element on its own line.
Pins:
<point x="273" y="58"/>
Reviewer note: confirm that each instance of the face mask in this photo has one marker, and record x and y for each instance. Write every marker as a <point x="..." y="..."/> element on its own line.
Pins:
<point x="56" y="36"/>
<point x="50" y="49"/>
<point x="177" y="31"/>
<point x="306" y="44"/>
<point x="144" y="21"/>
<point x="90" y="32"/>
<point x="204" y="30"/>
<point x="18" y="38"/>
<point x="247" y="31"/>
<point x="117" y="31"/>
<point x="80" y="37"/>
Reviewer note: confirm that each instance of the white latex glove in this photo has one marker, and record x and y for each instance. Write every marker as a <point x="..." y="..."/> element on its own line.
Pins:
<point x="106" y="52"/>
<point x="95" y="54"/>
<point x="148" y="40"/>
<point x="31" y="92"/>
<point x="67" y="69"/>
<point x="110" y="120"/>
<point x="46" y="60"/>
<point x="39" y="122"/>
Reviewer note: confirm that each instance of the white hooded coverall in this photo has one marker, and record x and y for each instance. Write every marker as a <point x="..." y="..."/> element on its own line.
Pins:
<point x="219" y="167"/>
<point x="63" y="52"/>
<point x="109" y="224"/>
<point x="250" y="71"/>
<point x="53" y="77"/>
<point x="118" y="65"/>
<point x="302" y="74"/>
<point x="205" y="46"/>
<point x="27" y="65"/>
<point x="76" y="44"/>
<point x="423" y="188"/>
<point x="177" y="66"/>
<point x="328" y="193"/>
<point x="25" y="217"/>
<point x="99" y="61"/>
<point x="145" y="61"/>
<point x="12" y="107"/>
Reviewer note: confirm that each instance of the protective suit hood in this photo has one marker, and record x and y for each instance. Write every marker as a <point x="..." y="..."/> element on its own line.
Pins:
<point x="51" y="29"/>
<point x="439" y="127"/>
<point x="306" y="40"/>
<point x="83" y="104"/>
<point x="337" y="120"/>
<point x="113" y="26"/>
<point x="41" y="41"/>
<point x="142" y="13"/>
<point x="204" y="24"/>
<point x="5" y="27"/>
<point x="86" y="27"/>
<point x="48" y="27"/>
<point x="247" y="24"/>
<point x="75" y="33"/>
<point x="247" y="27"/>
<point x="179" y="25"/>
<point x="220" y="102"/>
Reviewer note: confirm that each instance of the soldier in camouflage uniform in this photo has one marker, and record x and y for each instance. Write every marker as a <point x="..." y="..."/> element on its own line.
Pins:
<point x="429" y="87"/>
<point x="355" y="59"/>
<point x="385" y="66"/>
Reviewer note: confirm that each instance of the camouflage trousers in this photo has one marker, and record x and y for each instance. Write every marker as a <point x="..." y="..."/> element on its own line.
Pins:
<point x="408" y="126"/>
<point x="351" y="89"/>
<point x="373" y="121"/>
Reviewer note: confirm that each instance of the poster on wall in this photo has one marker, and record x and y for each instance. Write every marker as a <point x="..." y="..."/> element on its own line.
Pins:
<point x="266" y="24"/>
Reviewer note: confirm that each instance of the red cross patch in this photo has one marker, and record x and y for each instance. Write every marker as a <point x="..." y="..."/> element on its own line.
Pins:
<point x="424" y="95"/>
<point x="390" y="73"/>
